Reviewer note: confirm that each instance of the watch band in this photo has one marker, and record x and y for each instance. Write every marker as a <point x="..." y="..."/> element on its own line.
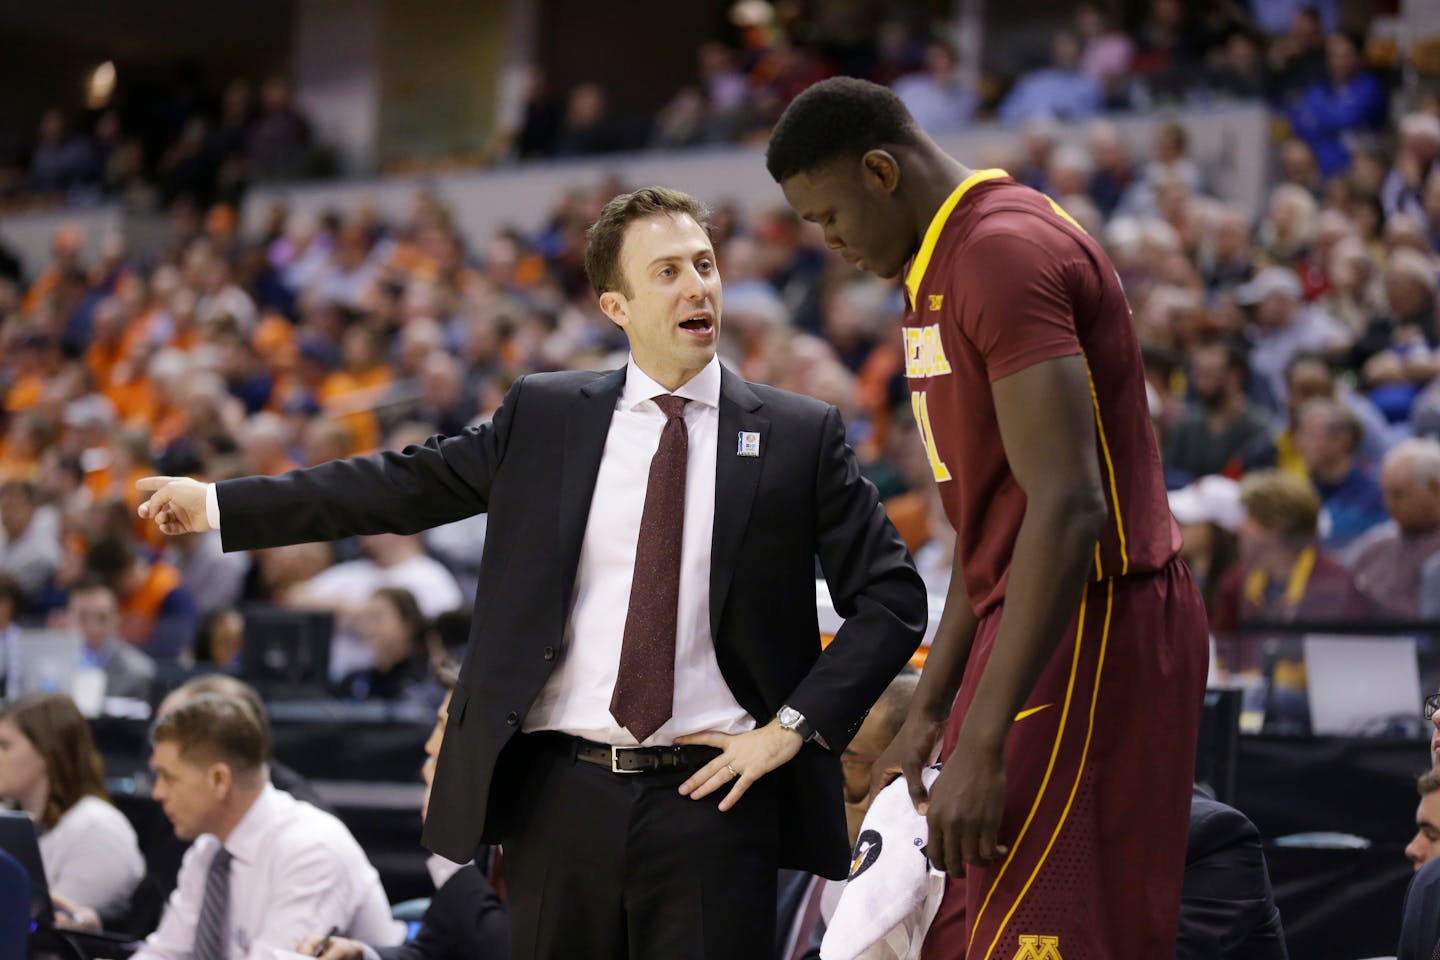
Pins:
<point x="795" y="721"/>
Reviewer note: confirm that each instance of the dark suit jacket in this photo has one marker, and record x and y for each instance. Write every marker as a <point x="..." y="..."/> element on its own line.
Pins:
<point x="1227" y="910"/>
<point x="465" y="921"/>
<point x="1420" y="929"/>
<point x="533" y="468"/>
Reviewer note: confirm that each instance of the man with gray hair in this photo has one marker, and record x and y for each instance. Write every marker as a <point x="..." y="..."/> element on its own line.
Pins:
<point x="1388" y="570"/>
<point x="1284" y="327"/>
<point x="1414" y="160"/>
<point x="1328" y="437"/>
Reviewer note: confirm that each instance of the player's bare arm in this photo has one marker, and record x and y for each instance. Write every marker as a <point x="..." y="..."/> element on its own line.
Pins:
<point x="1047" y="426"/>
<point x="915" y="745"/>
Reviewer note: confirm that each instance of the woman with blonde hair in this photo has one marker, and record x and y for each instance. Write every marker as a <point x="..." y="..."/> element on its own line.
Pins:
<point x="49" y="768"/>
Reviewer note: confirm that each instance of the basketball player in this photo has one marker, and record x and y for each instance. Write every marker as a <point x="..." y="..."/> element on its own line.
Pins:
<point x="1066" y="682"/>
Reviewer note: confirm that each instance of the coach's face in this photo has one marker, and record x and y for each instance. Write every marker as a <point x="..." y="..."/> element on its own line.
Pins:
<point x="1425" y="845"/>
<point x="190" y="793"/>
<point x="854" y="202"/>
<point x="672" y="312"/>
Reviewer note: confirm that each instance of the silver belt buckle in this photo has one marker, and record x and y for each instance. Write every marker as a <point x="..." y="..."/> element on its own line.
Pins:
<point x="615" y="760"/>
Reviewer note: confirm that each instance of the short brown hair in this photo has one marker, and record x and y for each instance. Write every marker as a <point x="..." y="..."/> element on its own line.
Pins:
<point x="1428" y="783"/>
<point x="1282" y="503"/>
<point x="213" y="728"/>
<point x="1338" y="419"/>
<point x="606" y="236"/>
<point x="54" y="726"/>
<point x="219" y="685"/>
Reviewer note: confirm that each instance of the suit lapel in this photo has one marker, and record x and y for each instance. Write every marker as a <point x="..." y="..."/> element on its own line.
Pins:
<point x="585" y="433"/>
<point x="736" y="478"/>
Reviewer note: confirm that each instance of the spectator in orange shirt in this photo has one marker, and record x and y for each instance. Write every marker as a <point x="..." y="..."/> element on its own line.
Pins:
<point x="65" y="249"/>
<point x="34" y="358"/>
<point x="157" y="610"/>
<point x="107" y="331"/>
<point x="28" y="437"/>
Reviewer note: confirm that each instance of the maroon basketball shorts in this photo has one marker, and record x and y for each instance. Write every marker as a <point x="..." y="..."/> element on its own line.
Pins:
<point x="1099" y="766"/>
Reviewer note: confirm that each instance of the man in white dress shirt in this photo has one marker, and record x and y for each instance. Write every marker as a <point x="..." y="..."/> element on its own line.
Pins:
<point x="265" y="868"/>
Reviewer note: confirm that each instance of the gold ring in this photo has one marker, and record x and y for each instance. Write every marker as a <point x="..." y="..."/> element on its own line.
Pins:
<point x="733" y="771"/>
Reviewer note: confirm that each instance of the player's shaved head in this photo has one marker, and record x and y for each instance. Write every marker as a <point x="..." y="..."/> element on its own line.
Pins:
<point x="837" y="118"/>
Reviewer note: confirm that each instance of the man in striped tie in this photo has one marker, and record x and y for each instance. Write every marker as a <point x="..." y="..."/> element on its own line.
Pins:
<point x="265" y="868"/>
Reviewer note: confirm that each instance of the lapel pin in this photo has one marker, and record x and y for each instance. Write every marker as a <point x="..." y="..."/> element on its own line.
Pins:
<point x="749" y="444"/>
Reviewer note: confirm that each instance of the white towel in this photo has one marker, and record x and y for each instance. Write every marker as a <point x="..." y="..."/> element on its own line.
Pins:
<point x="892" y="893"/>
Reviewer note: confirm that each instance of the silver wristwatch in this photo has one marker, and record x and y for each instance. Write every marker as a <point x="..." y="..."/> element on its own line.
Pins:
<point x="792" y="719"/>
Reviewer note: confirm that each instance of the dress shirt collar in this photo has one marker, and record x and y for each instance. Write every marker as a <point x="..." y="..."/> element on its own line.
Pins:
<point x="248" y="838"/>
<point x="704" y="387"/>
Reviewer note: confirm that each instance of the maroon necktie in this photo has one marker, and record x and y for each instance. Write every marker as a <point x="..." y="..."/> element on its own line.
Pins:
<point x="645" y="685"/>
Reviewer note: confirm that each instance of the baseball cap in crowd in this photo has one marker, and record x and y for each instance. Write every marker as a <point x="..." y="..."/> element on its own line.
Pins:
<point x="1213" y="499"/>
<point x="1268" y="281"/>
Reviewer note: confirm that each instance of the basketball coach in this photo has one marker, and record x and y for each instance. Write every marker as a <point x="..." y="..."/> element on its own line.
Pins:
<point x="645" y="719"/>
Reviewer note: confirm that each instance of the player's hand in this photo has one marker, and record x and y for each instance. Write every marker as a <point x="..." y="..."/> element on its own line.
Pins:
<point x="912" y="750"/>
<point x="339" y="948"/>
<point x="744" y="758"/>
<point x="177" y="504"/>
<point x="967" y="801"/>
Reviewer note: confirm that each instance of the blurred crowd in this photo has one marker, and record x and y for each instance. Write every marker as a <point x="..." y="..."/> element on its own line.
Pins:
<point x="1326" y="82"/>
<point x="194" y="144"/>
<point x="155" y="149"/>
<point x="1292" y="360"/>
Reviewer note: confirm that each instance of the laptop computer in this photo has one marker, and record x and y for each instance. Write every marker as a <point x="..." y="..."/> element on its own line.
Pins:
<point x="19" y="838"/>
<point x="45" y="661"/>
<point x="286" y="653"/>
<point x="1357" y="684"/>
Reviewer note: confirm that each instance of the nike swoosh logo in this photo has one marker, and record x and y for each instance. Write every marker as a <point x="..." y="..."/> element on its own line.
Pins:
<point x="1033" y="710"/>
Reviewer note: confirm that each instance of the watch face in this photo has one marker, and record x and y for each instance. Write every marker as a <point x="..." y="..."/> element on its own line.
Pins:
<point x="788" y="716"/>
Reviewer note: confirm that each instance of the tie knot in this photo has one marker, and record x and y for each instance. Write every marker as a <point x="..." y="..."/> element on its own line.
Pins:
<point x="222" y="859"/>
<point x="671" y="405"/>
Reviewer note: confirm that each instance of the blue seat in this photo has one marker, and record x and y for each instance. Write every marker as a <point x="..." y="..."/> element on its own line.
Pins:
<point x="14" y="907"/>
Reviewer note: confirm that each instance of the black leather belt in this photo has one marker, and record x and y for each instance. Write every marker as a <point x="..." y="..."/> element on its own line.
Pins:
<point x="643" y="759"/>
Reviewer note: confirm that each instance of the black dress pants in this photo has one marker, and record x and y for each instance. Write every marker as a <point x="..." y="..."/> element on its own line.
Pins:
<point x="607" y="866"/>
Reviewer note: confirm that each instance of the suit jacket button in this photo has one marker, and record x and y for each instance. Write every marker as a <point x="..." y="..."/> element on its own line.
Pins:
<point x="549" y="653"/>
<point x="512" y="718"/>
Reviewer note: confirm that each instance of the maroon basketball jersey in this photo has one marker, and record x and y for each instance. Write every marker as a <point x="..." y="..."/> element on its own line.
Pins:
<point x="1005" y="279"/>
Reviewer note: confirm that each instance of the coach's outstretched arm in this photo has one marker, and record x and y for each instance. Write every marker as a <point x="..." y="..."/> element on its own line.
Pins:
<point x="445" y="479"/>
<point x="1047" y="425"/>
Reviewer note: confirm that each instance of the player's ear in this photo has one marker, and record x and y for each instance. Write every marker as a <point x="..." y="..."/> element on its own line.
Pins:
<point x="880" y="171"/>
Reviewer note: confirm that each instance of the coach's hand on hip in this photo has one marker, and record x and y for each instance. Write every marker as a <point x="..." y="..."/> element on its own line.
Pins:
<point x="177" y="504"/>
<point x="744" y="758"/>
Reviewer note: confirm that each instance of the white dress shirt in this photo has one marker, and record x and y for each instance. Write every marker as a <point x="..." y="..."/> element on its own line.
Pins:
<point x="296" y="871"/>
<point x="92" y="858"/>
<point x="576" y="698"/>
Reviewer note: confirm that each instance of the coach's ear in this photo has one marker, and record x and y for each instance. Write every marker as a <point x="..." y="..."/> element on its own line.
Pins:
<point x="614" y="306"/>
<point x="880" y="171"/>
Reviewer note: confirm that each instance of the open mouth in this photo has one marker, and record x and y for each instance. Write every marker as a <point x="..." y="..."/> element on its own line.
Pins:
<point x="700" y="323"/>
